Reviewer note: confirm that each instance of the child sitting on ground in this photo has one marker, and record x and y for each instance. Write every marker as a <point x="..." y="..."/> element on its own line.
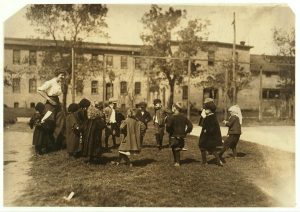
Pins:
<point x="234" y="130"/>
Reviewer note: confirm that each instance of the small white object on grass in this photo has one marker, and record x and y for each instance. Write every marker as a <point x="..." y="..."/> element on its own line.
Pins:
<point x="70" y="196"/>
<point x="124" y="153"/>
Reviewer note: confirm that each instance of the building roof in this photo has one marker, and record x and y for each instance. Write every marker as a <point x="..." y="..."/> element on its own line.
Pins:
<point x="227" y="45"/>
<point x="86" y="45"/>
<point x="269" y="63"/>
<point x="100" y="46"/>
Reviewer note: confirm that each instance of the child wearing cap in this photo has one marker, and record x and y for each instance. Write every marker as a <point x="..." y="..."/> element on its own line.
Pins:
<point x="111" y="122"/>
<point x="159" y="119"/>
<point x="73" y="131"/>
<point x="210" y="136"/>
<point x="144" y="116"/>
<point x="178" y="126"/>
<point x="234" y="130"/>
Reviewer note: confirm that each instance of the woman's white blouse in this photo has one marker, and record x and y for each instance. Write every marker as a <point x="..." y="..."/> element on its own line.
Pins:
<point x="51" y="88"/>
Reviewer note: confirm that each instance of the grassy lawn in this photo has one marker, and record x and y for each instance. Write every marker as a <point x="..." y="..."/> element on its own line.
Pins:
<point x="153" y="181"/>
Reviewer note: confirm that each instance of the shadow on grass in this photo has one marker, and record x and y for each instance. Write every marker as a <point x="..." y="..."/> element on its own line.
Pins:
<point x="9" y="161"/>
<point x="104" y="160"/>
<point x="155" y="146"/>
<point x="143" y="162"/>
<point x="239" y="154"/>
<point x="189" y="160"/>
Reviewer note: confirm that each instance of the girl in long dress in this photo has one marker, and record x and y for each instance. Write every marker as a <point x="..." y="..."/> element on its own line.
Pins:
<point x="210" y="136"/>
<point x="132" y="130"/>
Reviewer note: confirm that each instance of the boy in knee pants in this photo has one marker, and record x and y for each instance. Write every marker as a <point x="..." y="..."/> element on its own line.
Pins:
<point x="178" y="126"/>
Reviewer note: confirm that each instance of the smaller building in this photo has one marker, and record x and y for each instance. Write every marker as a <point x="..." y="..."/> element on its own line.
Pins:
<point x="274" y="102"/>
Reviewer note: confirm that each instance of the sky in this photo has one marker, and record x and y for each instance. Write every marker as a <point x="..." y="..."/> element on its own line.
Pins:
<point x="254" y="23"/>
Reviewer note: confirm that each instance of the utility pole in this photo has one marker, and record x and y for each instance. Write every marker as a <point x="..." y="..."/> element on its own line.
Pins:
<point x="73" y="77"/>
<point x="103" y="80"/>
<point x="189" y="90"/>
<point x="233" y="61"/>
<point x="260" y="95"/>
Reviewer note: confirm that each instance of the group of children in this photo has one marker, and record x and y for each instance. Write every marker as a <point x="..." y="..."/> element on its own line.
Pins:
<point x="86" y="122"/>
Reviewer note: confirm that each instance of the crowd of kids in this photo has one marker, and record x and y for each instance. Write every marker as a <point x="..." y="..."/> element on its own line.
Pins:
<point x="85" y="123"/>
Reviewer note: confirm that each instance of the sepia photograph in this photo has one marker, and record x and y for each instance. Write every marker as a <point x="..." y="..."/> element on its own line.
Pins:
<point x="149" y="106"/>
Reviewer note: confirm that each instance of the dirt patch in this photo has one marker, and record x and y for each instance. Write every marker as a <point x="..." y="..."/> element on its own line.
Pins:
<point x="17" y="153"/>
<point x="280" y="185"/>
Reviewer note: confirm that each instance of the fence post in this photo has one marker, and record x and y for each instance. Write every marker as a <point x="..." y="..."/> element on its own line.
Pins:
<point x="103" y="80"/>
<point x="226" y="93"/>
<point x="73" y="77"/>
<point x="260" y="95"/>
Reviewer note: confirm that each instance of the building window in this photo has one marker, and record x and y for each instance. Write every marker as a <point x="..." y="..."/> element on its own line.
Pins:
<point x="16" y="104"/>
<point x="109" y="61"/>
<point x="32" y="57"/>
<point x="210" y="93"/>
<point x="270" y="93"/>
<point x="94" y="87"/>
<point x="79" y="58"/>
<point x="16" y="85"/>
<point x="184" y="92"/>
<point x="123" y="89"/>
<point x="137" y="63"/>
<point x="211" y="58"/>
<point x="109" y="90"/>
<point x="79" y="87"/>
<point x="32" y="105"/>
<point x="32" y="85"/>
<point x="124" y="62"/>
<point x="16" y="56"/>
<point x="137" y="88"/>
<point x="94" y="57"/>
<point x="268" y="75"/>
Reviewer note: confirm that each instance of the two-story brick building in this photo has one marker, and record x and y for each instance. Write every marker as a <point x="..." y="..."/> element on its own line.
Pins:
<point x="26" y="55"/>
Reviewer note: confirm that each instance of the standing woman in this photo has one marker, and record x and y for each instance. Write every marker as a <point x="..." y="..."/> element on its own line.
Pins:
<point x="51" y="90"/>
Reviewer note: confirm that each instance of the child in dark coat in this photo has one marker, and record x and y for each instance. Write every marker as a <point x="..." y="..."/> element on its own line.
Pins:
<point x="92" y="130"/>
<point x="144" y="116"/>
<point x="234" y="130"/>
<point x="210" y="136"/>
<point x="43" y="130"/>
<point x="73" y="130"/>
<point x="178" y="126"/>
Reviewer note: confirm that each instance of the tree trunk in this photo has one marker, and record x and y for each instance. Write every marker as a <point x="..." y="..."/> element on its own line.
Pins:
<point x="171" y="98"/>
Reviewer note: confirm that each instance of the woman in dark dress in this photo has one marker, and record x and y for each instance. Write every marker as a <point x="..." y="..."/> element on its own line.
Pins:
<point x="43" y="130"/>
<point x="210" y="136"/>
<point x="51" y="90"/>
